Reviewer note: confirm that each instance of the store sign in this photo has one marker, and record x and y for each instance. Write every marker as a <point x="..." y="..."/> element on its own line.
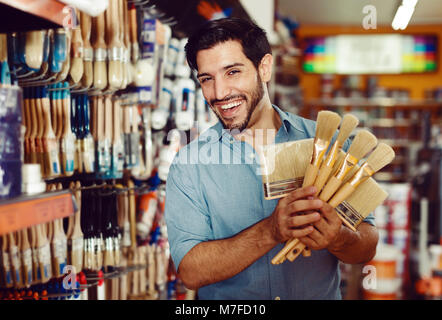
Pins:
<point x="368" y="54"/>
<point x="371" y="54"/>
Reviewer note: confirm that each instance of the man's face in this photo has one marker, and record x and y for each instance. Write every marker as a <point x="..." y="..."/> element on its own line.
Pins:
<point x="230" y="83"/>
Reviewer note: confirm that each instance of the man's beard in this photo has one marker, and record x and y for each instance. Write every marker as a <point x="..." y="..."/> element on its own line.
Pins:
<point x="256" y="97"/>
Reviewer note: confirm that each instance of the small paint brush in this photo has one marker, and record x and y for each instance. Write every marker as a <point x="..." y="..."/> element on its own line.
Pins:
<point x="362" y="144"/>
<point x="349" y="122"/>
<point x="327" y="123"/>
<point x="379" y="158"/>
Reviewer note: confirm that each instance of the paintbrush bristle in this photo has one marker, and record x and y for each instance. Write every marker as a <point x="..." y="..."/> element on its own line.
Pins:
<point x="349" y="122"/>
<point x="327" y="123"/>
<point x="380" y="157"/>
<point x="362" y="144"/>
<point x="286" y="160"/>
<point x="367" y="197"/>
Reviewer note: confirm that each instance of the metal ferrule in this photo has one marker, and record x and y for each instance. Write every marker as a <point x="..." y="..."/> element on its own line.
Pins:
<point x="280" y="188"/>
<point x="100" y="54"/>
<point x="348" y="163"/>
<point x="88" y="54"/>
<point x="319" y="148"/>
<point x="364" y="172"/>
<point x="350" y="216"/>
<point x="332" y="155"/>
<point x="115" y="53"/>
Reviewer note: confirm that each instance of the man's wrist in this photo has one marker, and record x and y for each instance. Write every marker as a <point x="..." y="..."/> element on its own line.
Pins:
<point x="344" y="238"/>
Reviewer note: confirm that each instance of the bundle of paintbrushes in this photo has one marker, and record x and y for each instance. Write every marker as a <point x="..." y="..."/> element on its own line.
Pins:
<point x="336" y="175"/>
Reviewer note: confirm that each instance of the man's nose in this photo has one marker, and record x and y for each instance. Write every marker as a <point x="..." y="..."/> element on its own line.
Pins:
<point x="221" y="90"/>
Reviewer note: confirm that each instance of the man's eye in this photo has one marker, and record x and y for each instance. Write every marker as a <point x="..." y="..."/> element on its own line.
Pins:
<point x="204" y="80"/>
<point x="232" y="72"/>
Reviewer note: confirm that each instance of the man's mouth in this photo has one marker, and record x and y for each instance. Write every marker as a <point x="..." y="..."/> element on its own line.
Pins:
<point x="228" y="110"/>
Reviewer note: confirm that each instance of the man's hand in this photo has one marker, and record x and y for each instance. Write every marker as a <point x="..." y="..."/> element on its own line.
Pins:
<point x="288" y="221"/>
<point x="326" y="230"/>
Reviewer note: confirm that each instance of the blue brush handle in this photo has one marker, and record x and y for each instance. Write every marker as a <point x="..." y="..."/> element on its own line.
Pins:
<point x="59" y="52"/>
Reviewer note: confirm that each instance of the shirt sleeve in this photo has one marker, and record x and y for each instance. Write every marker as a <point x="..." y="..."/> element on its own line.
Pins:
<point x="186" y="213"/>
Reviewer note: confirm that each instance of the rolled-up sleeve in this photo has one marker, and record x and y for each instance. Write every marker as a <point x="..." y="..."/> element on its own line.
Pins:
<point x="186" y="213"/>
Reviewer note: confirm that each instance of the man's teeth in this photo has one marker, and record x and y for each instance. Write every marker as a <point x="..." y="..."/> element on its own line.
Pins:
<point x="231" y="105"/>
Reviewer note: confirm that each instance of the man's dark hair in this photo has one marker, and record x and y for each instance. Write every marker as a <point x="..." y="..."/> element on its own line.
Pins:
<point x="252" y="38"/>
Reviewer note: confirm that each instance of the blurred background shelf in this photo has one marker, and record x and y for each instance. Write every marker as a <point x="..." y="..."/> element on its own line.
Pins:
<point x="25" y="211"/>
<point x="23" y="15"/>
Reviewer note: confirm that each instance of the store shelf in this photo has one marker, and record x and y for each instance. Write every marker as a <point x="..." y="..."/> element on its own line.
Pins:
<point x="25" y="211"/>
<point x="375" y="102"/>
<point x="23" y="15"/>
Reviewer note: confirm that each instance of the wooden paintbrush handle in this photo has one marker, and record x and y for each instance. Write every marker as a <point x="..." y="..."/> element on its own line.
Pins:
<point x="280" y="256"/>
<point x="296" y="251"/>
<point x="108" y="118"/>
<point x="330" y="188"/>
<point x="322" y="178"/>
<point x="342" y="194"/>
<point x="310" y="175"/>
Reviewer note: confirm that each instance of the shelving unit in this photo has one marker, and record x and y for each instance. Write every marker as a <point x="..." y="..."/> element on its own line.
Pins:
<point x="22" y="15"/>
<point x="25" y="211"/>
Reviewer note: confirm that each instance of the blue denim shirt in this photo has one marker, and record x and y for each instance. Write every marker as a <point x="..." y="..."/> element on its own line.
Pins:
<point x="213" y="192"/>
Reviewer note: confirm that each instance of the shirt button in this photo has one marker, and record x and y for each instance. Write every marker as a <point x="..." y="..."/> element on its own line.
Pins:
<point x="277" y="298"/>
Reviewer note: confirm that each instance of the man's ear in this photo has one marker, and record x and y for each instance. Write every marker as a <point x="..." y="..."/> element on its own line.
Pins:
<point x="265" y="67"/>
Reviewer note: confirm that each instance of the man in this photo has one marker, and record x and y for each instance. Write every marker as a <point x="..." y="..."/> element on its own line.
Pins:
<point x="222" y="232"/>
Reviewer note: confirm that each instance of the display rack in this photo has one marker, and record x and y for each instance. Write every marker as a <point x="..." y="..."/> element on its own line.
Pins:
<point x="21" y="15"/>
<point x="25" y="211"/>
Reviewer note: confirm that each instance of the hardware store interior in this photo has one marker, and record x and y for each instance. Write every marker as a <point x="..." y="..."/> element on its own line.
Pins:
<point x="97" y="98"/>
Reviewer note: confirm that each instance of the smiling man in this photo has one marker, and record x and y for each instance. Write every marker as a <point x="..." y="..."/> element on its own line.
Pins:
<point x="222" y="232"/>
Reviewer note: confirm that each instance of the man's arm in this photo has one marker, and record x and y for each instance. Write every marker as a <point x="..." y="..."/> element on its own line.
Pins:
<point x="347" y="245"/>
<point x="213" y="261"/>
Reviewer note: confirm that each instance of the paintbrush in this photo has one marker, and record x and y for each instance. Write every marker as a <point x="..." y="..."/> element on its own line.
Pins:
<point x="115" y="46"/>
<point x="6" y="272"/>
<point x="67" y="138"/>
<point x="327" y="123"/>
<point x="14" y="260"/>
<point x="100" y="52"/>
<point x="122" y="14"/>
<point x="76" y="239"/>
<point x="88" y="148"/>
<point x="88" y="52"/>
<point x="108" y="256"/>
<point x="379" y="158"/>
<point x="77" y="67"/>
<point x="44" y="254"/>
<point x="62" y="75"/>
<point x="39" y="148"/>
<point x="34" y="49"/>
<point x="51" y="153"/>
<point x="26" y="258"/>
<point x="133" y="31"/>
<point x="117" y="142"/>
<point x="349" y="122"/>
<point x="28" y="126"/>
<point x="5" y="76"/>
<point x="363" y="143"/>
<point x="283" y="166"/>
<point x="59" y="244"/>
<point x="107" y="155"/>
<point x="101" y="147"/>
<point x="364" y="200"/>
<point x="132" y="214"/>
<point x="36" y="276"/>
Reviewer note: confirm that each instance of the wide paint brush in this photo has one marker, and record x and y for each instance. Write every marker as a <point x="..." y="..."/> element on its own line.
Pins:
<point x="26" y="258"/>
<point x="283" y="166"/>
<point x="362" y="144"/>
<point x="59" y="244"/>
<point x="115" y="77"/>
<point x="34" y="49"/>
<point x="67" y="141"/>
<point x="349" y="122"/>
